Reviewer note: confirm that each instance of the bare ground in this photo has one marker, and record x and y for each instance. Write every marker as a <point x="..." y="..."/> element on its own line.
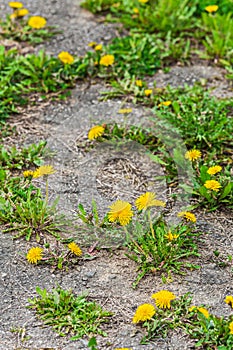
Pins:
<point x="107" y="278"/>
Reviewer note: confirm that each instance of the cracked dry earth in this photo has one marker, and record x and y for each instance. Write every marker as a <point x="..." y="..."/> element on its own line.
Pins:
<point x="108" y="277"/>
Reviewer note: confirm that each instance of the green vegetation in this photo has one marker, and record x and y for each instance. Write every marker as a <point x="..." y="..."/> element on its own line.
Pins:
<point x="69" y="314"/>
<point x="162" y="249"/>
<point x="173" y="312"/>
<point x="157" y="34"/>
<point x="22" y="76"/>
<point x="24" y="211"/>
<point x="24" y="158"/>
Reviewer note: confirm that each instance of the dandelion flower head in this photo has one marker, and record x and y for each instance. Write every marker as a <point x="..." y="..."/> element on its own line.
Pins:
<point x="34" y="255"/>
<point x="107" y="60"/>
<point x="138" y="83"/>
<point x="125" y="110"/>
<point x="231" y="327"/>
<point x="19" y="13"/>
<point x="28" y="173"/>
<point x="143" y="1"/>
<point x="165" y="103"/>
<point x="120" y="211"/>
<point x="92" y="44"/>
<point x="147" y="200"/>
<point x="211" y="8"/>
<point x="136" y="10"/>
<point x="229" y="300"/>
<point x="75" y="249"/>
<point x="212" y="185"/>
<point x="15" y="4"/>
<point x="214" y="170"/>
<point x="148" y="92"/>
<point x="203" y="310"/>
<point x="192" y="308"/>
<point x="194" y="154"/>
<point x="170" y="236"/>
<point x="43" y="170"/>
<point x="65" y="57"/>
<point x="163" y="298"/>
<point x="187" y="215"/>
<point x="98" y="47"/>
<point x="95" y="131"/>
<point x="37" y="22"/>
<point x="143" y="313"/>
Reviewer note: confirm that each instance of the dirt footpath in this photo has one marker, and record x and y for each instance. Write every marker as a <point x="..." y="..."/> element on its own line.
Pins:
<point x="107" y="278"/>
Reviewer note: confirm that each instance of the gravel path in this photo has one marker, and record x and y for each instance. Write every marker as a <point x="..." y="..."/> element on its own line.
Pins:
<point x="107" y="278"/>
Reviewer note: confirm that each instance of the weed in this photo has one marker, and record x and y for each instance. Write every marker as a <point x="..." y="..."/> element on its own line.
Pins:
<point x="24" y="211"/>
<point x="16" y="27"/>
<point x="161" y="248"/>
<point x="24" y="75"/>
<point x="59" y="257"/>
<point x="202" y="119"/>
<point x="18" y="159"/>
<point x="212" y="186"/>
<point x="219" y="35"/>
<point x="69" y="314"/>
<point x="208" y="330"/>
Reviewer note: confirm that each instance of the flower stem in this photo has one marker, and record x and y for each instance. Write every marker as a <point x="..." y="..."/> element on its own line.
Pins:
<point x="151" y="225"/>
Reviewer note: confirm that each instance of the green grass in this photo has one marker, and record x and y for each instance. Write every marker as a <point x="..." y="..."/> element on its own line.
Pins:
<point x="23" y="210"/>
<point x="153" y="252"/>
<point x="21" y="76"/>
<point x="68" y="314"/>
<point x="183" y="19"/>
<point x="20" y="31"/>
<point x="13" y="158"/>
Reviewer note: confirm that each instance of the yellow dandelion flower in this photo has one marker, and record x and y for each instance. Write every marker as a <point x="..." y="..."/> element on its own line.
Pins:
<point x="92" y="44"/>
<point x="211" y="8"/>
<point x="147" y="200"/>
<point x="165" y="103"/>
<point x="34" y="255"/>
<point x="203" y="311"/>
<point x="192" y="308"/>
<point x="66" y="57"/>
<point x="194" y="154"/>
<point x="98" y="47"/>
<point x="37" y="22"/>
<point x="95" y="131"/>
<point x="13" y="15"/>
<point x="143" y="1"/>
<point x="75" y="249"/>
<point x="15" y="4"/>
<point x="212" y="185"/>
<point x="138" y="83"/>
<point x="231" y="327"/>
<point x="28" y="173"/>
<point x="148" y="92"/>
<point x="163" y="299"/>
<point x="170" y="236"/>
<point x="123" y="349"/>
<point x="229" y="300"/>
<point x="43" y="170"/>
<point x="21" y="13"/>
<point x="135" y="10"/>
<point x="107" y="60"/>
<point x="120" y="211"/>
<point x="143" y="313"/>
<point x="187" y="215"/>
<point x="125" y="110"/>
<point x="214" y="169"/>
